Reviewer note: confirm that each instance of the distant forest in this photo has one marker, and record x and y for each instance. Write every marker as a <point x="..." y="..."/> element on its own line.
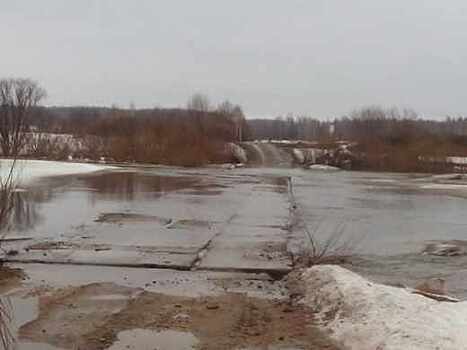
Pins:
<point x="391" y="139"/>
<point x="187" y="137"/>
<point x="387" y="123"/>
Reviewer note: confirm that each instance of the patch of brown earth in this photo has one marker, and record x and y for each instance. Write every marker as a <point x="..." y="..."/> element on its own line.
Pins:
<point x="204" y="192"/>
<point x="10" y="278"/>
<point x="189" y="223"/>
<point x="126" y="218"/>
<point x="47" y="245"/>
<point x="90" y="317"/>
<point x="117" y="218"/>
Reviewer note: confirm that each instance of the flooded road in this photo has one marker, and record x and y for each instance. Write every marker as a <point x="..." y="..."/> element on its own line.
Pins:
<point x="155" y="217"/>
<point x="113" y="234"/>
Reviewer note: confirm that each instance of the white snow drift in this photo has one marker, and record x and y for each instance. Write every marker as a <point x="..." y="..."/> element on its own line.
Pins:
<point x="323" y="167"/>
<point x="26" y="171"/>
<point x="367" y="316"/>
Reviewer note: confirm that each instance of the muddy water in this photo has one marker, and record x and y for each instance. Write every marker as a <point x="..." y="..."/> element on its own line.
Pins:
<point x="386" y="211"/>
<point x="51" y="206"/>
<point x="392" y="217"/>
<point x="21" y="310"/>
<point x="387" y="218"/>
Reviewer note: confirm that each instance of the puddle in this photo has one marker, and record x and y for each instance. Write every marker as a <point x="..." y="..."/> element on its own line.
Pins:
<point x="22" y="311"/>
<point x="142" y="339"/>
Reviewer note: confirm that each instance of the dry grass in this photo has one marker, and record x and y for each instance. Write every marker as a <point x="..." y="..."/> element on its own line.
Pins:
<point x="321" y="246"/>
<point x="7" y="187"/>
<point x="7" y="339"/>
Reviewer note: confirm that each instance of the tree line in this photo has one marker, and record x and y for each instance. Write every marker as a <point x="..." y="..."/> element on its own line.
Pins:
<point x="192" y="136"/>
<point x="383" y="138"/>
<point x="386" y="138"/>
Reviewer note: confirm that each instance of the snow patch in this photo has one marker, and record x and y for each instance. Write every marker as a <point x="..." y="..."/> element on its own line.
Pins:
<point x="444" y="186"/>
<point x="382" y="181"/>
<point x="298" y="155"/>
<point x="28" y="170"/>
<point x="238" y="152"/>
<point x="367" y="316"/>
<point x="323" y="167"/>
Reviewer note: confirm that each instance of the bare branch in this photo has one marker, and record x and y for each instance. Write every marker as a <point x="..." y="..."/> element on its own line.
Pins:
<point x="18" y="99"/>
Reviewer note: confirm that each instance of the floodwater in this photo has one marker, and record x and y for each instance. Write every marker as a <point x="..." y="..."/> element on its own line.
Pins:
<point x="388" y="214"/>
<point x="20" y="311"/>
<point x="387" y="217"/>
<point x="52" y="206"/>
<point x="385" y="220"/>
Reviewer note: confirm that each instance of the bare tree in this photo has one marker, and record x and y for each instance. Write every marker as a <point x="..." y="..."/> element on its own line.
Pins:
<point x="199" y="102"/>
<point x="234" y="113"/>
<point x="18" y="99"/>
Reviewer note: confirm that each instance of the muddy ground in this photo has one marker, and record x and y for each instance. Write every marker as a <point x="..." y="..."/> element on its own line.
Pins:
<point x="91" y="317"/>
<point x="10" y="278"/>
<point x="169" y="262"/>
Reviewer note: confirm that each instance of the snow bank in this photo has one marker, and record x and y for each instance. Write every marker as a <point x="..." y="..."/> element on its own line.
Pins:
<point x="238" y="152"/>
<point x="435" y="186"/>
<point x="298" y="155"/>
<point x="367" y="316"/>
<point x="29" y="170"/>
<point x="323" y="167"/>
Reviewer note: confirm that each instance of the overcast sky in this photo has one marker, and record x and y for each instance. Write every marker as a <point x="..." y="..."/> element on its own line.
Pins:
<point x="317" y="57"/>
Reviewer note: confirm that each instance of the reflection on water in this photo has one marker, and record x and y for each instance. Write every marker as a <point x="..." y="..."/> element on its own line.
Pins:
<point x="16" y="311"/>
<point x="132" y="185"/>
<point x="43" y="202"/>
<point x="7" y="334"/>
<point x="394" y="220"/>
<point x="25" y="214"/>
